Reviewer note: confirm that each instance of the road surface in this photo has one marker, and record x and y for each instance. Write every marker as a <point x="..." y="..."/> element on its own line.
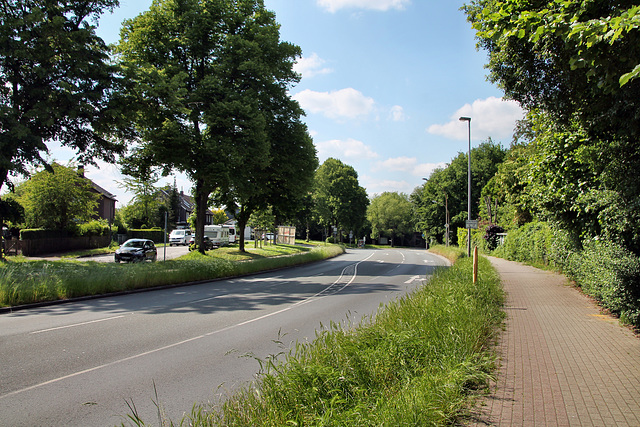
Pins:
<point x="83" y="363"/>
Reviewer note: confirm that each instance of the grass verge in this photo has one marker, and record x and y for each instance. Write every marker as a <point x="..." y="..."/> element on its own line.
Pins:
<point x="418" y="362"/>
<point x="452" y="253"/>
<point x="31" y="282"/>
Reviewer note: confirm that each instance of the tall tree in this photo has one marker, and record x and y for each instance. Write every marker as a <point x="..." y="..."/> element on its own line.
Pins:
<point x="56" y="83"/>
<point x="340" y="200"/>
<point x="574" y="67"/>
<point x="284" y="182"/>
<point x="202" y="70"/>
<point x="390" y="214"/>
<point x="140" y="178"/>
<point x="451" y="183"/>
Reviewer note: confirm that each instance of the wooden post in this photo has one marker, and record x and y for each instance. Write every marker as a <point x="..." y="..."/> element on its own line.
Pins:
<point x="475" y="264"/>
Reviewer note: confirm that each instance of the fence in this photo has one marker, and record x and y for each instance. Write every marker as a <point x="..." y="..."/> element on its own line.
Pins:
<point x="33" y="247"/>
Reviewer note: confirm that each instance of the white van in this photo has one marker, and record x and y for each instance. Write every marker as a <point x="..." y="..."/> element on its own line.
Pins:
<point x="180" y="237"/>
<point x="218" y="234"/>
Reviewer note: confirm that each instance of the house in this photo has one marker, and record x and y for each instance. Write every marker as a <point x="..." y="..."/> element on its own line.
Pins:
<point x="106" y="203"/>
<point x="106" y="208"/>
<point x="186" y="206"/>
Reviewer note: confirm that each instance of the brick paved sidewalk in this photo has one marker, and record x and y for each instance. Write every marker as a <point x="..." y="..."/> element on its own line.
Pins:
<point x="562" y="363"/>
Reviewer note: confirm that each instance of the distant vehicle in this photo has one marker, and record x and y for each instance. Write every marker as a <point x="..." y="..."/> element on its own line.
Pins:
<point x="208" y="244"/>
<point x="219" y="234"/>
<point x="179" y="237"/>
<point x="233" y="237"/>
<point x="137" y="250"/>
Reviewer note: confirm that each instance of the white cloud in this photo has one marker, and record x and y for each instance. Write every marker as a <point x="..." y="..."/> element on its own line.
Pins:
<point x="311" y="66"/>
<point x="397" y="113"/>
<point x="492" y="117"/>
<point x="409" y="165"/>
<point x="345" y="149"/>
<point x="341" y="104"/>
<point x="381" y="5"/>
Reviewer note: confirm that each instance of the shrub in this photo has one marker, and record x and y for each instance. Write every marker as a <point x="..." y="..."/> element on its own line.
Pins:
<point x="93" y="228"/>
<point x="611" y="274"/>
<point x="491" y="236"/>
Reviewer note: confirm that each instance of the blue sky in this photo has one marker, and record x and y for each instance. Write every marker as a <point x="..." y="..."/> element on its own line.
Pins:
<point x="383" y="85"/>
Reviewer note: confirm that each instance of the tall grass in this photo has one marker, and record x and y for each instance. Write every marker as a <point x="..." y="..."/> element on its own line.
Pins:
<point x="417" y="362"/>
<point x="41" y="281"/>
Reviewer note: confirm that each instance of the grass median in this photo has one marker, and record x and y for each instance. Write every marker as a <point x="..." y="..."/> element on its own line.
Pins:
<point x="27" y="282"/>
<point x="419" y="362"/>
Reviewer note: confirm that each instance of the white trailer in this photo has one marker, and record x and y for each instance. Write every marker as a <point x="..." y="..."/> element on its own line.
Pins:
<point x="218" y="234"/>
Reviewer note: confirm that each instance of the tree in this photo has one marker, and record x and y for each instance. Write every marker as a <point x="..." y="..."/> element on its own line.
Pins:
<point x="284" y="182"/>
<point x="202" y="70"/>
<point x="390" y="214"/>
<point x="140" y="179"/>
<point x="56" y="83"/>
<point x="451" y="183"/>
<point x="340" y="201"/>
<point x="574" y="67"/>
<point x="574" y="60"/>
<point x="57" y="200"/>
<point x="219" y="216"/>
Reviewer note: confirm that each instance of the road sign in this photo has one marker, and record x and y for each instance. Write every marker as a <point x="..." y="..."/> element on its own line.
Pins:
<point x="472" y="223"/>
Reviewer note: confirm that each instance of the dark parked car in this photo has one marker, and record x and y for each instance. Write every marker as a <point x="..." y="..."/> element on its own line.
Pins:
<point x="208" y="244"/>
<point x="137" y="250"/>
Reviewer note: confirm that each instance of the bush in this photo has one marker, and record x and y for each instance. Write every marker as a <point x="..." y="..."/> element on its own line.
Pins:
<point x="537" y="243"/>
<point x="491" y="236"/>
<point x="610" y="274"/>
<point x="93" y="228"/>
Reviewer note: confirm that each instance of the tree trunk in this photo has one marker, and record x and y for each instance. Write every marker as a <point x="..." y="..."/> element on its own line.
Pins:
<point x="202" y="200"/>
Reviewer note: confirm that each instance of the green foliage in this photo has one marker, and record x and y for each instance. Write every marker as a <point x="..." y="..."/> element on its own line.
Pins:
<point x="339" y="199"/>
<point x="451" y="183"/>
<point x="390" y="214"/>
<point x="57" y="199"/>
<point x="212" y="77"/>
<point x="603" y="269"/>
<point x="491" y="236"/>
<point x="574" y="67"/>
<point x="574" y="60"/>
<point x="219" y="216"/>
<point x="93" y="228"/>
<point x="610" y="274"/>
<point x="403" y="368"/>
<point x="37" y="281"/>
<point x="57" y="82"/>
<point x="538" y="243"/>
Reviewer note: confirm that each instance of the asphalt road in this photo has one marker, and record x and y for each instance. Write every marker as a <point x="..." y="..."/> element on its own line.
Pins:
<point x="84" y="363"/>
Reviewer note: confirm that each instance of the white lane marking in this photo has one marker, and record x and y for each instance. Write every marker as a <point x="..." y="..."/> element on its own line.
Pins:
<point x="77" y="324"/>
<point x="166" y="347"/>
<point x="413" y="279"/>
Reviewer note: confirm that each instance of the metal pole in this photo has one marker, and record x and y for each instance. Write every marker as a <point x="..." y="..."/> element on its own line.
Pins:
<point x="469" y="193"/>
<point x="468" y="119"/>
<point x="166" y="214"/>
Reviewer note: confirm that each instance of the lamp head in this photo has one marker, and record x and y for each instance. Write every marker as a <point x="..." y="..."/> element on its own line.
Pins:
<point x="465" y="119"/>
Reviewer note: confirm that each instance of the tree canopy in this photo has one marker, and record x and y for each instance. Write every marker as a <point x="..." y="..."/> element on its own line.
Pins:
<point x="203" y="70"/>
<point x="339" y="199"/>
<point x="58" y="199"/>
<point x="573" y="66"/>
<point x="390" y="214"/>
<point x="57" y="82"/>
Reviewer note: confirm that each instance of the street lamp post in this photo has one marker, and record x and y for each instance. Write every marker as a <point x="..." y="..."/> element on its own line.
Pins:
<point x="468" y="120"/>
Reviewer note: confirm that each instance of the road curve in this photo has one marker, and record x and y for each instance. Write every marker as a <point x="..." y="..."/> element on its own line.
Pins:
<point x="84" y="363"/>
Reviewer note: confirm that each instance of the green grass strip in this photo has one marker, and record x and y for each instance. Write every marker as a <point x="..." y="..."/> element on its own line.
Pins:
<point x="417" y="362"/>
<point x="42" y="281"/>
